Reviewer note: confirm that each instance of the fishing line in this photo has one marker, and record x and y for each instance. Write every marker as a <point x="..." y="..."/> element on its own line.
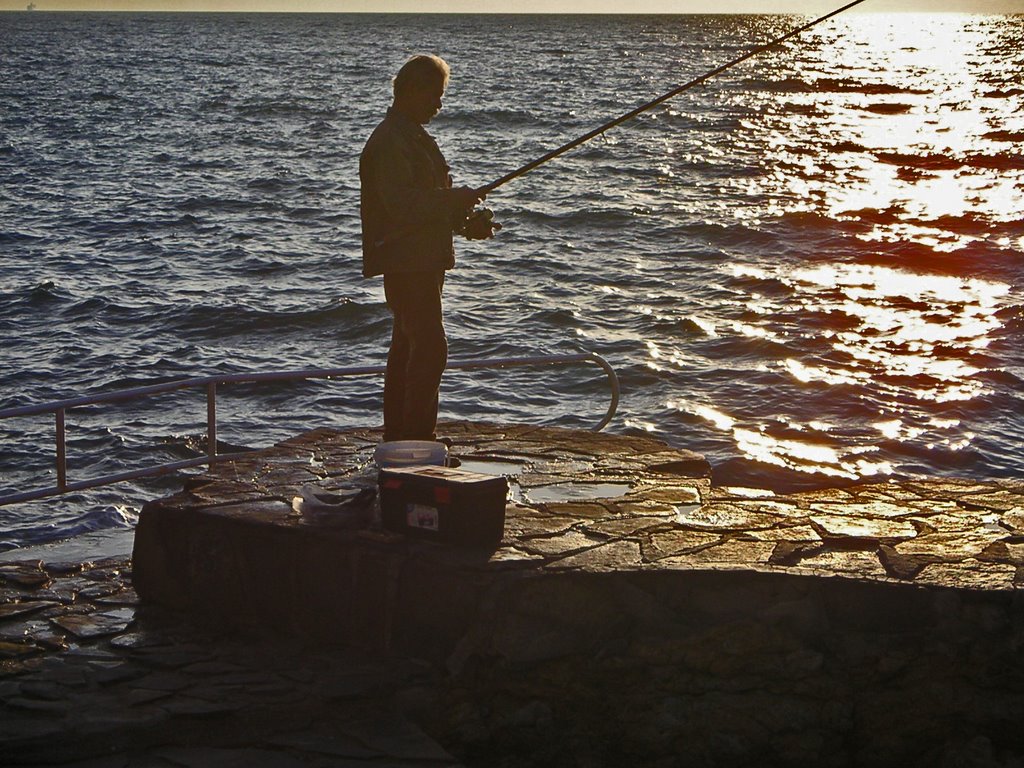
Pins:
<point x="655" y="102"/>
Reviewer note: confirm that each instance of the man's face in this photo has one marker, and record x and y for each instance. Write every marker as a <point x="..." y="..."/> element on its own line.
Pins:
<point x="425" y="102"/>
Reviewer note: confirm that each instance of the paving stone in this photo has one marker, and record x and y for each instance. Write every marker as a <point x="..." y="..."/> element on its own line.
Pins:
<point x="559" y="545"/>
<point x="970" y="575"/>
<point x="99" y="624"/>
<point x="62" y="668"/>
<point x="103" y="589"/>
<point x="38" y="631"/>
<point x="161" y="681"/>
<point x="174" y="656"/>
<point x="610" y="556"/>
<point x="139" y="639"/>
<point x="731" y="552"/>
<point x="512" y="558"/>
<point x="794" y="533"/>
<point x="1014" y="519"/>
<point x="17" y="666"/>
<point x="136" y="696"/>
<point x="720" y="516"/>
<point x="15" y="650"/>
<point x="633" y="527"/>
<point x="997" y="501"/>
<point x="324" y="741"/>
<point x="950" y="546"/>
<point x="821" y="495"/>
<point x="28" y="574"/>
<point x="1004" y="551"/>
<point x="107" y="672"/>
<point x="31" y="704"/>
<point x="342" y="686"/>
<point x="22" y="729"/>
<point x="212" y="668"/>
<point x="875" y="509"/>
<point x="674" y="542"/>
<point x="63" y="567"/>
<point x="855" y="563"/>
<point x="89" y="652"/>
<point x="667" y="494"/>
<point x="10" y="610"/>
<point x="905" y="565"/>
<point x="189" y="706"/>
<point x="394" y="737"/>
<point x="43" y="689"/>
<point x="119" y="760"/>
<point x="214" y="757"/>
<point x="846" y="527"/>
<point x="125" y="596"/>
<point x="114" y="724"/>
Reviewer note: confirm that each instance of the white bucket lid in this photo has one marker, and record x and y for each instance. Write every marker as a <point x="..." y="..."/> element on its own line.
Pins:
<point x="407" y="453"/>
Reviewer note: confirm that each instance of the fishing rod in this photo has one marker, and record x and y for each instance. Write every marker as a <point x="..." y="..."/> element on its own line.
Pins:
<point x="655" y="102"/>
<point x="522" y="170"/>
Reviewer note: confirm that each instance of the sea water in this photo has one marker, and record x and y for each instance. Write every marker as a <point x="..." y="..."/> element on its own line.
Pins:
<point x="808" y="268"/>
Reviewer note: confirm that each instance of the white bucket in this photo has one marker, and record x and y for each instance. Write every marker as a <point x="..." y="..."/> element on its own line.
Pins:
<point x="410" y="453"/>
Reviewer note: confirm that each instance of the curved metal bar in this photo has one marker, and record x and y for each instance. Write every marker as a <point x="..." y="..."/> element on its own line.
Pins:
<point x="211" y="383"/>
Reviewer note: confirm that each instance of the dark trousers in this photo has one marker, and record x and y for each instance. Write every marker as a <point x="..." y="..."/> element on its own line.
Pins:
<point x="416" y="360"/>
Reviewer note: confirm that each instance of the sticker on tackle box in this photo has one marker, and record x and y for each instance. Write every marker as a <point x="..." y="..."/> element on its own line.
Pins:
<point x="421" y="516"/>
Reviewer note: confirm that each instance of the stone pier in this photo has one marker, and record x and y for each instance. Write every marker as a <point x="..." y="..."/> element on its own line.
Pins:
<point x="633" y="615"/>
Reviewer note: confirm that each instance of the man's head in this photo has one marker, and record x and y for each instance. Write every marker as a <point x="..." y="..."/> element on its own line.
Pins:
<point x="419" y="86"/>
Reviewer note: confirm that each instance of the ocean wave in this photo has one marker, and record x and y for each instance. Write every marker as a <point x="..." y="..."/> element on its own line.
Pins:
<point x="270" y="183"/>
<point x="213" y="321"/>
<point x="497" y="117"/>
<point x="580" y="218"/>
<point x="1002" y="161"/>
<point x="1007" y="93"/>
<point x="45" y="293"/>
<point x="1010" y="136"/>
<point x="887" y="108"/>
<point x="11" y="237"/>
<point x="92" y="518"/>
<point x="209" y="203"/>
<point x="972" y="223"/>
<point x="831" y="85"/>
<point x="283" y="108"/>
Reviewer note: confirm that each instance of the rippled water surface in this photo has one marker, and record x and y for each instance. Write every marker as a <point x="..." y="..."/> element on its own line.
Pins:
<point x="808" y="269"/>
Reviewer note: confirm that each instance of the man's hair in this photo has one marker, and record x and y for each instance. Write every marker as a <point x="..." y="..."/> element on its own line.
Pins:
<point x="419" y="72"/>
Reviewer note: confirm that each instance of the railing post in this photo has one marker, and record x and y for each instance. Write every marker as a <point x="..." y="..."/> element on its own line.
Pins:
<point x="211" y="419"/>
<point x="62" y="452"/>
<point x="59" y="409"/>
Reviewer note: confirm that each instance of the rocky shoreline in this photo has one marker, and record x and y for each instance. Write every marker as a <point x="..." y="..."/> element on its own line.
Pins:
<point x="634" y="614"/>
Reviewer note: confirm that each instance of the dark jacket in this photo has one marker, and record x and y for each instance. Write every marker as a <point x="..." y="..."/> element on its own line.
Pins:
<point x="405" y="205"/>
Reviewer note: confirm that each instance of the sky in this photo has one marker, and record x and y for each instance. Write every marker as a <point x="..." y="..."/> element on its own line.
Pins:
<point x="810" y="7"/>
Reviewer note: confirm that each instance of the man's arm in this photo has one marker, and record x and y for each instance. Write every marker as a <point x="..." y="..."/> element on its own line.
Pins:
<point x="407" y="200"/>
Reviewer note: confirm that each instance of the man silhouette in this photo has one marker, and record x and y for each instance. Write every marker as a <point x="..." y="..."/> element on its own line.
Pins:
<point x="410" y="212"/>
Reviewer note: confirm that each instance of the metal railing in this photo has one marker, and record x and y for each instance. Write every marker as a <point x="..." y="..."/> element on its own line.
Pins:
<point x="211" y="383"/>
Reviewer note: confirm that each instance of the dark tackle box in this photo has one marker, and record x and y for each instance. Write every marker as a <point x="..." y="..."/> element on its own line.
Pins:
<point x="444" y="504"/>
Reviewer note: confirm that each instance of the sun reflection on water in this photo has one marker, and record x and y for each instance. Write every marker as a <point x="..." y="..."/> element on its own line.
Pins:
<point x="907" y="130"/>
<point x="895" y="134"/>
<point x="891" y="336"/>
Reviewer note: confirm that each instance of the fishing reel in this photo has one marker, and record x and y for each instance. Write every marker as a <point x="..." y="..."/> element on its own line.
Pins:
<point x="479" y="224"/>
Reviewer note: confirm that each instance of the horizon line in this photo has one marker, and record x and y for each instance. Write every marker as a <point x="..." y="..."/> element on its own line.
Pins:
<point x="858" y="11"/>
